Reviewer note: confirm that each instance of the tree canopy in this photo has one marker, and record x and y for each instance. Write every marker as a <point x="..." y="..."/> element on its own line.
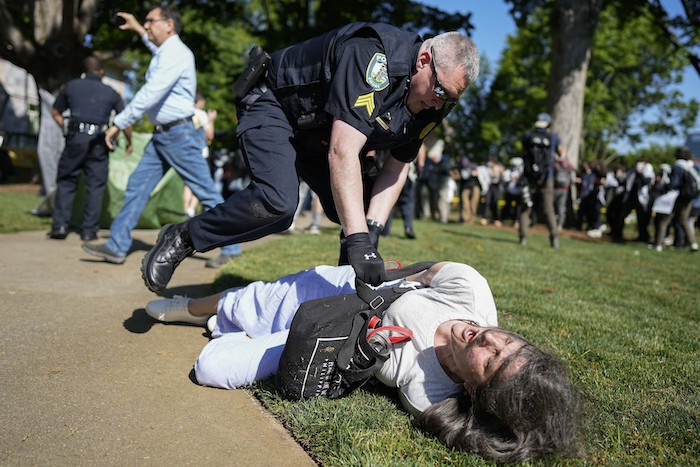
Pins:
<point x="50" y="38"/>
<point x="637" y="52"/>
<point x="632" y="71"/>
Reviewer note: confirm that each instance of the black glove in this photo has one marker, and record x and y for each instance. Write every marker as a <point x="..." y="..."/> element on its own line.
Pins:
<point x="374" y="233"/>
<point x="343" y="257"/>
<point x="365" y="259"/>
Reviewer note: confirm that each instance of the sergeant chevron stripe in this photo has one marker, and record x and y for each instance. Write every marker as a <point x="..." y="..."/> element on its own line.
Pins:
<point x="366" y="101"/>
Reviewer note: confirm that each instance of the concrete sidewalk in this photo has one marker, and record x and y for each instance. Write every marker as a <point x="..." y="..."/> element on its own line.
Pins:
<point x="87" y="378"/>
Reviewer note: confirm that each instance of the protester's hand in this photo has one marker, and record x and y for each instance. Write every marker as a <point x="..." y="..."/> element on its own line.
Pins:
<point x="111" y="137"/>
<point x="212" y="114"/>
<point x="364" y="259"/>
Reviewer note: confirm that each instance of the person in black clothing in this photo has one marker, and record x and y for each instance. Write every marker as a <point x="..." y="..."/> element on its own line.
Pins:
<point x="91" y="103"/>
<point x="320" y="106"/>
<point x="637" y="184"/>
<point x="538" y="182"/>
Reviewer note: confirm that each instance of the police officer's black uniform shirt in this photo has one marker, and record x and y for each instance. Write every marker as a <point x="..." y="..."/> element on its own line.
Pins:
<point x="359" y="74"/>
<point x="89" y="100"/>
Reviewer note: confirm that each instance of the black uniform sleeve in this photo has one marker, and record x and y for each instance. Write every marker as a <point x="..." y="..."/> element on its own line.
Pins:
<point x="61" y="102"/>
<point x="118" y="102"/>
<point x="359" y="83"/>
<point x="407" y="152"/>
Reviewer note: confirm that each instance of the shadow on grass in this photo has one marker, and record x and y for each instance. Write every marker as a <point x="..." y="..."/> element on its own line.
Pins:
<point x="266" y="392"/>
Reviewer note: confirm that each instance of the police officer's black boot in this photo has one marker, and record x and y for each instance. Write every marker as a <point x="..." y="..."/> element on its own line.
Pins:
<point x="172" y="246"/>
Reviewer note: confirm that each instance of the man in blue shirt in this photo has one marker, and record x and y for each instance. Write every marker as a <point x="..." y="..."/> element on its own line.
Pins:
<point x="167" y="99"/>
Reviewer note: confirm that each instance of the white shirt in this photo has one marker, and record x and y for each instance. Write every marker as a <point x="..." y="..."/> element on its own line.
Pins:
<point x="457" y="291"/>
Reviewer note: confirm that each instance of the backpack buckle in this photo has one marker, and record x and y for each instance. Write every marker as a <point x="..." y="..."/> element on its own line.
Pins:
<point x="376" y="302"/>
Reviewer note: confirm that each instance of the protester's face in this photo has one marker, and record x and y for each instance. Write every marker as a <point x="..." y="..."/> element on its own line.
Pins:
<point x="157" y="27"/>
<point x="431" y="82"/>
<point x="479" y="352"/>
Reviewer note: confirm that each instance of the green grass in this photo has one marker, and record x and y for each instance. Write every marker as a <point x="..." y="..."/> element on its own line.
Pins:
<point x="14" y="213"/>
<point x="624" y="318"/>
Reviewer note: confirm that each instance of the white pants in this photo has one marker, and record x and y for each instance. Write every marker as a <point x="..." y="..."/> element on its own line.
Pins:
<point x="263" y="312"/>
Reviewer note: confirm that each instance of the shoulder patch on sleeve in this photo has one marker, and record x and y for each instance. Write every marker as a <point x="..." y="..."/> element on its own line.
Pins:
<point x="366" y="101"/>
<point x="377" y="75"/>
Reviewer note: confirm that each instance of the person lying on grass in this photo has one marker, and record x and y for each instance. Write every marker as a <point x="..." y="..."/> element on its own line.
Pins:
<point x="475" y="386"/>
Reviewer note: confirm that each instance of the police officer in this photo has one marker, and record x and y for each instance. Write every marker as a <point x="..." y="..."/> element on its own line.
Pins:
<point x="91" y="103"/>
<point x="322" y="105"/>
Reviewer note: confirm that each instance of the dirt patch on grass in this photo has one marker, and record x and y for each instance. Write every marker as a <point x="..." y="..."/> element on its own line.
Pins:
<point x="31" y="188"/>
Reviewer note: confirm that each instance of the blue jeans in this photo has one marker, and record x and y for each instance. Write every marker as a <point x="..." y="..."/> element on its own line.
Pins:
<point x="176" y="148"/>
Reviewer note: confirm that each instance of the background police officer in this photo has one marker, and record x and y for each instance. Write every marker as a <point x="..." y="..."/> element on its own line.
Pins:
<point x="322" y="105"/>
<point x="91" y="103"/>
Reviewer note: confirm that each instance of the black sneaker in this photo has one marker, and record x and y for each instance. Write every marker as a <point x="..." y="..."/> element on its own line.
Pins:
<point x="101" y="251"/>
<point x="58" y="233"/>
<point x="172" y="246"/>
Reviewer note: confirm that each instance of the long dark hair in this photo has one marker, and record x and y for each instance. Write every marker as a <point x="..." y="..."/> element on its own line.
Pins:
<point x="531" y="413"/>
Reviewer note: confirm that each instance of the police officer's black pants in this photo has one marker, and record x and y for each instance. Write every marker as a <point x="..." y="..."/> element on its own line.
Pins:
<point x="268" y="204"/>
<point x="88" y="154"/>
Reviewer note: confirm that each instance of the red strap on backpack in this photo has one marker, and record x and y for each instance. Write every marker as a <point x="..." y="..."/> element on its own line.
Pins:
<point x="404" y="334"/>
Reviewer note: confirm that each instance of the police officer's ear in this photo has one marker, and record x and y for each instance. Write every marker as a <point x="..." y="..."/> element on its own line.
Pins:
<point x="423" y="59"/>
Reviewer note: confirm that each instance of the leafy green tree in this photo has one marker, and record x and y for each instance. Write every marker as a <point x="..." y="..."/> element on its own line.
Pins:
<point x="632" y="69"/>
<point x="626" y="79"/>
<point x="471" y="135"/>
<point x="50" y="38"/>
<point x="518" y="90"/>
<point x="573" y="24"/>
<point x="656" y="154"/>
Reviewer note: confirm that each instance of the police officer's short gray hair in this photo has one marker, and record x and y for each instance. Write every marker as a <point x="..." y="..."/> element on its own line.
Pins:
<point x="455" y="50"/>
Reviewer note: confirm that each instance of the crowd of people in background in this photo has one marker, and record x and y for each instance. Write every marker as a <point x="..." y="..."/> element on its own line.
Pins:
<point x="598" y="199"/>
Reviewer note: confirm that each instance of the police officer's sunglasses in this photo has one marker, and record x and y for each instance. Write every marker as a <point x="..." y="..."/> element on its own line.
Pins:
<point x="438" y="89"/>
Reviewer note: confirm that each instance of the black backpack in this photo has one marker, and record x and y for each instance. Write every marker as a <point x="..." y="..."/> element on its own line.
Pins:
<point x="537" y="150"/>
<point x="689" y="188"/>
<point x="327" y="353"/>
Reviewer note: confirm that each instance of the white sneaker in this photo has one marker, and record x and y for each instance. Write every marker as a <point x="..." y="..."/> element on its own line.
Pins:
<point x="594" y="233"/>
<point x="173" y="310"/>
<point x="313" y="229"/>
<point x="694" y="247"/>
<point x="659" y="248"/>
<point x="211" y="323"/>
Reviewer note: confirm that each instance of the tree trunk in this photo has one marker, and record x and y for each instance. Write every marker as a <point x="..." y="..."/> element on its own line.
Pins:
<point x="50" y="48"/>
<point x="573" y="24"/>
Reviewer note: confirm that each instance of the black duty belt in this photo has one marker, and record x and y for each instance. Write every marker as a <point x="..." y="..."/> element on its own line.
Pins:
<point x="87" y="128"/>
<point x="167" y="126"/>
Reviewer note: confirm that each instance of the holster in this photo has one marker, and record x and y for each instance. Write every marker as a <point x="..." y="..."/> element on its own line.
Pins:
<point x="258" y="64"/>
